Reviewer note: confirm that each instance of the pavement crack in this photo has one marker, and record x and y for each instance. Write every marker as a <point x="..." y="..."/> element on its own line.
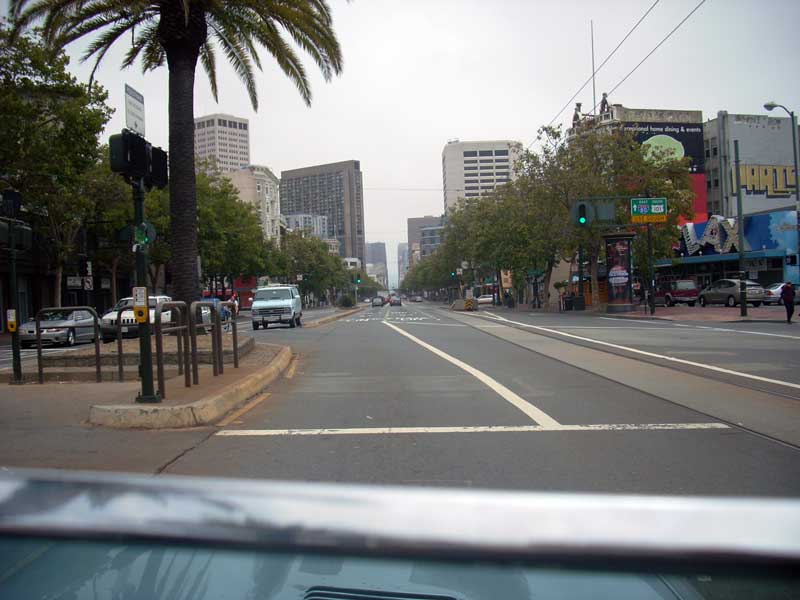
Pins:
<point x="186" y="451"/>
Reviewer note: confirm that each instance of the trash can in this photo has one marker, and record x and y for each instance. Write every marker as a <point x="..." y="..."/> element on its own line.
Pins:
<point x="579" y="303"/>
<point x="568" y="302"/>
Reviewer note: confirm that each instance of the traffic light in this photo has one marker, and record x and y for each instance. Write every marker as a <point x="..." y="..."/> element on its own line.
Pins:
<point x="583" y="213"/>
<point x="133" y="156"/>
<point x="452" y="273"/>
<point x="358" y="278"/>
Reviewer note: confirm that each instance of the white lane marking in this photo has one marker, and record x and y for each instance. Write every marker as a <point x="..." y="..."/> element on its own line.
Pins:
<point x="541" y="417"/>
<point x="441" y="324"/>
<point x="725" y="329"/>
<point x="476" y="429"/>
<point x="662" y="323"/>
<point x="659" y="356"/>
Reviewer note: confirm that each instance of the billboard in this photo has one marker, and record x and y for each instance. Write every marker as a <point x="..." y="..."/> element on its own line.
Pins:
<point x="686" y="139"/>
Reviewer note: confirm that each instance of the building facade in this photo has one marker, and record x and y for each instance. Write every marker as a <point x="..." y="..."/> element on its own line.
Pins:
<point x="334" y="190"/>
<point x="376" y="253"/>
<point x="258" y="186"/>
<point x="402" y="261"/>
<point x="223" y="140"/>
<point x="766" y="167"/>
<point x="678" y="130"/>
<point x="317" y="225"/>
<point x="377" y="271"/>
<point x="414" y="235"/>
<point x="471" y="169"/>
<point x="430" y="239"/>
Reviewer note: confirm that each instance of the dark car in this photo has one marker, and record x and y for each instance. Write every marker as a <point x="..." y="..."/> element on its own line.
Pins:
<point x="681" y="291"/>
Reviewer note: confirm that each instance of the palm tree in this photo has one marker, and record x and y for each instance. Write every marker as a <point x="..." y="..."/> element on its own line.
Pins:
<point x="179" y="32"/>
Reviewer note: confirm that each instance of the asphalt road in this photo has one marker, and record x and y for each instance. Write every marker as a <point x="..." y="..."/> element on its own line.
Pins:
<point x="418" y="395"/>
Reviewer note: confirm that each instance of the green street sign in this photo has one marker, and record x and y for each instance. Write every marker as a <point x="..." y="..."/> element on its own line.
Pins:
<point x="648" y="210"/>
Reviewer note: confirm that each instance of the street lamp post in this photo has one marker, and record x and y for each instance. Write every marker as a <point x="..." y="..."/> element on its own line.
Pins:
<point x="770" y="106"/>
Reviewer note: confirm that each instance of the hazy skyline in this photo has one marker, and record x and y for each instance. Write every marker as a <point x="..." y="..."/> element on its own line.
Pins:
<point x="419" y="73"/>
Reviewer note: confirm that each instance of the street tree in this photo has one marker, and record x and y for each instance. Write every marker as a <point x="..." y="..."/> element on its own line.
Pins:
<point x="178" y="33"/>
<point x="48" y="142"/>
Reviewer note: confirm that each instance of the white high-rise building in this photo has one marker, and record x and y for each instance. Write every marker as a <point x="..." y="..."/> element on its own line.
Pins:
<point x="260" y="187"/>
<point x="222" y="139"/>
<point x="471" y="169"/>
<point x="317" y="225"/>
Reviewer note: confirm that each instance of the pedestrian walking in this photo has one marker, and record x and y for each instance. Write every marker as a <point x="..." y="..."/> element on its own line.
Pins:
<point x="787" y="297"/>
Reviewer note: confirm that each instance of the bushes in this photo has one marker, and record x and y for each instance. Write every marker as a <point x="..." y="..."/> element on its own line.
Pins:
<point x="347" y="301"/>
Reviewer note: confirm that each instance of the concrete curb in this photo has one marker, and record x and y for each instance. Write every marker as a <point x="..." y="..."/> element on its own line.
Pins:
<point x="201" y="412"/>
<point x="331" y="318"/>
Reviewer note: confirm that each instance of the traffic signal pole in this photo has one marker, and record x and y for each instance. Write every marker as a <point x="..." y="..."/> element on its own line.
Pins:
<point x="15" y="346"/>
<point x="148" y="394"/>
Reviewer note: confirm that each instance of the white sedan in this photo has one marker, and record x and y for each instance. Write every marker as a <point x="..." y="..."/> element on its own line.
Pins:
<point x="485" y="299"/>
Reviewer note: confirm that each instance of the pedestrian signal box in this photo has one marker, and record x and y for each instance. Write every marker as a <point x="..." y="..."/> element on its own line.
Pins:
<point x="140" y="308"/>
<point x="11" y="320"/>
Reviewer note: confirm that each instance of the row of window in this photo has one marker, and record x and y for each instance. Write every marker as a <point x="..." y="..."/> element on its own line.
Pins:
<point x="468" y="153"/>
<point x="486" y="161"/>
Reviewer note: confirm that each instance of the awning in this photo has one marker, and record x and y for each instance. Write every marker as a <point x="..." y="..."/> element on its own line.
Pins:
<point x="714" y="258"/>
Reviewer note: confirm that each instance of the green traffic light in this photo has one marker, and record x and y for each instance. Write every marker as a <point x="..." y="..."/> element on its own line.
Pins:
<point x="582" y="220"/>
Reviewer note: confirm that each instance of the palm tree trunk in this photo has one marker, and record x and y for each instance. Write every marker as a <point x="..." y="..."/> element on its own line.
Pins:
<point x="181" y="38"/>
<point x="57" y="288"/>
<point x="114" y="266"/>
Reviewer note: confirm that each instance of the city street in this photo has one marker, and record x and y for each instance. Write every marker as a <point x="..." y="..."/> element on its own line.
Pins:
<point x="420" y="395"/>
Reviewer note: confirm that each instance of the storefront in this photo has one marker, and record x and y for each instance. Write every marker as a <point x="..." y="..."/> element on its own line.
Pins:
<point x="708" y="251"/>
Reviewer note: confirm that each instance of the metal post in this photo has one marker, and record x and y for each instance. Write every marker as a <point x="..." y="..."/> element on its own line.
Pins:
<point x="740" y="225"/>
<point x="580" y="272"/>
<point x="796" y="176"/>
<point x="651" y="296"/>
<point x="15" y="345"/>
<point x="120" y="365"/>
<point x="148" y="394"/>
<point x="594" y="90"/>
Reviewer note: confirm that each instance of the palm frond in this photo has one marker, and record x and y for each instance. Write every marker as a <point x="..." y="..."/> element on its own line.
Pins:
<point x="237" y="56"/>
<point x="209" y="61"/>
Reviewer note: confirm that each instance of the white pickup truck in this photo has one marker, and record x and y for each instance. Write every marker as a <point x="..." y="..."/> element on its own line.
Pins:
<point x="108" y="324"/>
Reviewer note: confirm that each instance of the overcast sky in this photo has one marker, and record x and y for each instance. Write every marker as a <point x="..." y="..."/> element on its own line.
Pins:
<point x="420" y="72"/>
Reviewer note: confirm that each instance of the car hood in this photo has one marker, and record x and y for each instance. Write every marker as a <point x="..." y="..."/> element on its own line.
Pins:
<point x="274" y="302"/>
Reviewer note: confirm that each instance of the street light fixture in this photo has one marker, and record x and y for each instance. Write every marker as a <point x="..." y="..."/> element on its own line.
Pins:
<point x="771" y="106"/>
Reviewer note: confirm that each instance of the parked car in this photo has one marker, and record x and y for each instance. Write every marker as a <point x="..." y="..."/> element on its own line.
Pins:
<point x="772" y="294"/>
<point x="681" y="291"/>
<point x="63" y="327"/>
<point x="726" y="291"/>
<point x="377" y="301"/>
<point x="395" y="301"/>
<point x="485" y="299"/>
<point x="416" y="298"/>
<point x="277" y="304"/>
<point x="130" y="328"/>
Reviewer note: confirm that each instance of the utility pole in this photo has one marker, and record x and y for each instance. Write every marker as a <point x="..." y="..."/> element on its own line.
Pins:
<point x="15" y="347"/>
<point x="594" y="90"/>
<point x="740" y="227"/>
<point x="651" y="284"/>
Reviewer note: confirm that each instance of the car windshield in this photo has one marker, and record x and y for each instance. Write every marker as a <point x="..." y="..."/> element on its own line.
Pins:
<point x="273" y="294"/>
<point x="550" y="186"/>
<point x="61" y="315"/>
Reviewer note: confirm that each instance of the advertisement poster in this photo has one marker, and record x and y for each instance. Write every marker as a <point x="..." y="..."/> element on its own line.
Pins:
<point x="618" y="264"/>
<point x="685" y="139"/>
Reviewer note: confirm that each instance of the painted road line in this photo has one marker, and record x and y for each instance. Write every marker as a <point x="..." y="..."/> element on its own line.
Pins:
<point x="474" y="429"/>
<point x="541" y="417"/>
<point x="246" y="408"/>
<point x="654" y="355"/>
<point x="712" y="328"/>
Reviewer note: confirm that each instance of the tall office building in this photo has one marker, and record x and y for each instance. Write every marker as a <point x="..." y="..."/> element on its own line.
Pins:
<point x="471" y="169"/>
<point x="334" y="190"/>
<point x="376" y="253"/>
<point x="317" y="225"/>
<point x="415" y="226"/>
<point x="402" y="261"/>
<point x="258" y="185"/>
<point x="223" y="139"/>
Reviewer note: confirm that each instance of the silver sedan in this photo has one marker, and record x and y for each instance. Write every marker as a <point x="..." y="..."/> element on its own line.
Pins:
<point x="64" y="327"/>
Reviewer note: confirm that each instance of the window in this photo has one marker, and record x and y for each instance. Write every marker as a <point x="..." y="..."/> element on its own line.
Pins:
<point x="487" y="160"/>
<point x="470" y="153"/>
<point x="716" y="182"/>
<point x="714" y="150"/>
<point x="471" y="168"/>
<point x="708" y="153"/>
<point x="708" y="184"/>
<point x="487" y="180"/>
<point x="487" y="167"/>
<point x="485" y="153"/>
<point x="487" y="187"/>
<point x="472" y="161"/>
<point x="752" y="172"/>
<point x="470" y="194"/>
<point x="501" y="152"/>
<point x="471" y="181"/>
<point x="774" y="179"/>
<point x="501" y="160"/>
<point x="471" y="187"/>
<point x="222" y="122"/>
